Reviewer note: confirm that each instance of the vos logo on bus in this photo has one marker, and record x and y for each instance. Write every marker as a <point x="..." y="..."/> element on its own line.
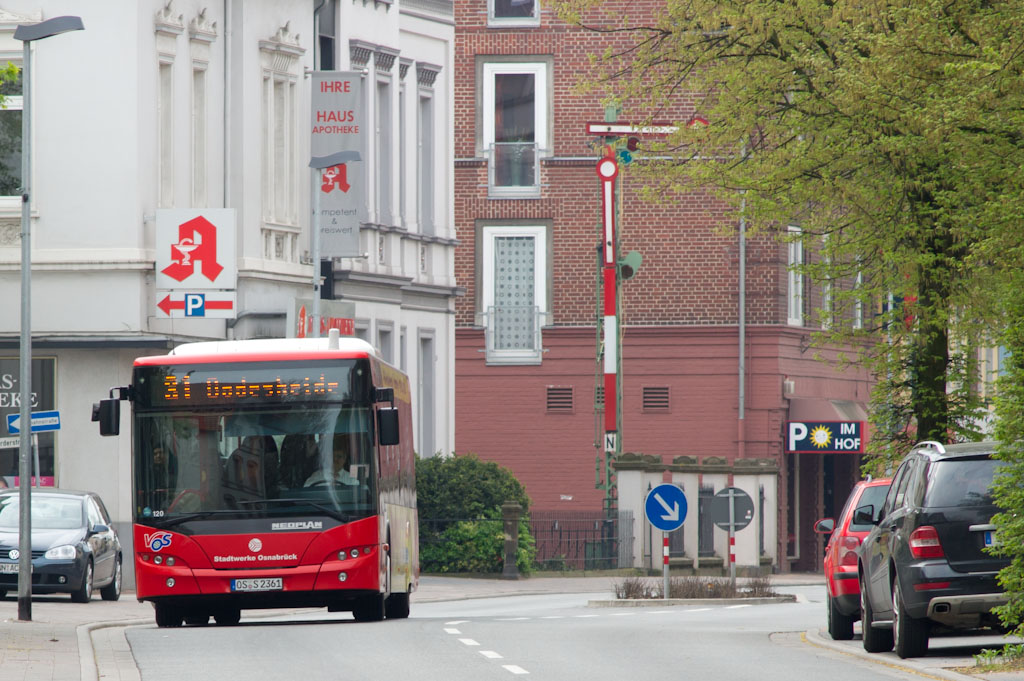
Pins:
<point x="298" y="525"/>
<point x="157" y="540"/>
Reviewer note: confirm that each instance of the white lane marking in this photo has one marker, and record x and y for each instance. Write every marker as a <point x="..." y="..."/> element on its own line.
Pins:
<point x="515" y="669"/>
<point x="457" y="622"/>
<point x="512" y="619"/>
<point x="582" y="617"/>
<point x="658" y="612"/>
<point x="469" y="641"/>
<point x="451" y="630"/>
<point x="698" y="610"/>
<point x="553" y="617"/>
<point x="490" y="654"/>
<point x="733" y="607"/>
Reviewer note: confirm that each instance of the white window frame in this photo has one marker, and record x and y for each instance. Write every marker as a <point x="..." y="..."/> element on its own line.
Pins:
<point x="539" y="234"/>
<point x="858" y="305"/>
<point x="11" y="203"/>
<point x="505" y="22"/>
<point x="541" y="103"/>
<point x="794" y="279"/>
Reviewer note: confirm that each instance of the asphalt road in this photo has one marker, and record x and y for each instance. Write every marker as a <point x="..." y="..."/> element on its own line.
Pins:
<point x="550" y="636"/>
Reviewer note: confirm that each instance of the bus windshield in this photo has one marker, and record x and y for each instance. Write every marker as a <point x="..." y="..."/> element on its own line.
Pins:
<point x="280" y="460"/>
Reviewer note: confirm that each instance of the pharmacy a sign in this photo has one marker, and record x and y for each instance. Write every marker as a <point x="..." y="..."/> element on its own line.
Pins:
<point x="825" y="437"/>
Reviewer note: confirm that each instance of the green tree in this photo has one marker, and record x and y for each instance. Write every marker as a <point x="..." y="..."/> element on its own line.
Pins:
<point x="459" y="501"/>
<point x="887" y="131"/>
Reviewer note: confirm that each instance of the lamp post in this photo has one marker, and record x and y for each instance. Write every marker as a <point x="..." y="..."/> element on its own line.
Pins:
<point x="28" y="34"/>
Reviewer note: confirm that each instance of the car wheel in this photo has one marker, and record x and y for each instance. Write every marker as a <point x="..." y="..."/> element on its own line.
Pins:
<point x="167" y="615"/>
<point x="875" y="640"/>
<point x="112" y="591"/>
<point x="840" y="626"/>
<point x="84" y="593"/>
<point x="910" y="636"/>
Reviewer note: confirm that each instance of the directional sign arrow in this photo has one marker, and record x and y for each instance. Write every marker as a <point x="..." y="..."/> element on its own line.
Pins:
<point x="167" y="305"/>
<point x="672" y="512"/>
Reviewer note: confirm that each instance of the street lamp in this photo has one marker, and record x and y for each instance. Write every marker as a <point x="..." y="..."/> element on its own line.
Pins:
<point x="28" y="34"/>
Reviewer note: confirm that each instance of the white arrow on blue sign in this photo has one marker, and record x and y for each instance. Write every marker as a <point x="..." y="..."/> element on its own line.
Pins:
<point x="40" y="421"/>
<point x="665" y="507"/>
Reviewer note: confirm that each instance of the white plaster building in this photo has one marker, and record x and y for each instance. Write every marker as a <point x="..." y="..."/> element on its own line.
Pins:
<point x="201" y="104"/>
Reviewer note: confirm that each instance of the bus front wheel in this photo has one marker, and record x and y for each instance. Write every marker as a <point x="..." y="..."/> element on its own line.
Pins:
<point x="369" y="608"/>
<point x="397" y="606"/>
<point x="167" y="615"/>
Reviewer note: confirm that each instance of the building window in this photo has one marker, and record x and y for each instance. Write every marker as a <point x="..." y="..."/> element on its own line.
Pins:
<point x="199" y="137"/>
<point x="165" y="135"/>
<point x="382" y="142"/>
<point x="10" y="138"/>
<point x="515" y="126"/>
<point x="858" y="304"/>
<point x="386" y="342"/>
<point x="281" y="70"/>
<point x="513" y="13"/>
<point x="202" y="32"/>
<point x="514" y="292"/>
<point x="795" y="284"/>
<point x="326" y="35"/>
<point x="426" y="164"/>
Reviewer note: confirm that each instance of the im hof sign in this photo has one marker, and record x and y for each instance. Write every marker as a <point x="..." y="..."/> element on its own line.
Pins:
<point x="825" y="437"/>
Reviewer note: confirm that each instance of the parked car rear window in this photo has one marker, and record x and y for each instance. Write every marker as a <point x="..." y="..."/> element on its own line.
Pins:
<point x="871" y="495"/>
<point x="961" y="482"/>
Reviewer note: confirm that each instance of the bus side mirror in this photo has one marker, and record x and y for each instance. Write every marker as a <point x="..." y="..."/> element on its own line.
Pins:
<point x="108" y="413"/>
<point x="387" y="426"/>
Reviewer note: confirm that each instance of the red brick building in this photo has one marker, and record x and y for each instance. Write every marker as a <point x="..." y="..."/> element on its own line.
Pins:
<point x="527" y="212"/>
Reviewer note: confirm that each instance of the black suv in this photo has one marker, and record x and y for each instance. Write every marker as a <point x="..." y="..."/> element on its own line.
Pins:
<point x="925" y="563"/>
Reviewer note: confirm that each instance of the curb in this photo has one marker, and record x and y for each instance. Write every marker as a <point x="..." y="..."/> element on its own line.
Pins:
<point x="87" y="654"/>
<point x="658" y="602"/>
<point x="814" y="637"/>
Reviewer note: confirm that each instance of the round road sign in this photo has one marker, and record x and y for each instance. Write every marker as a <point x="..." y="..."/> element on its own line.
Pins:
<point x="744" y="508"/>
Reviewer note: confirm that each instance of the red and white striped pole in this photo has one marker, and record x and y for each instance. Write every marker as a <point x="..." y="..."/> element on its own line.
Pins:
<point x="608" y="170"/>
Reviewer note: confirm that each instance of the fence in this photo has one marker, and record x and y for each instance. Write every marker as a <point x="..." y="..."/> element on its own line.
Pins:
<point x="563" y="541"/>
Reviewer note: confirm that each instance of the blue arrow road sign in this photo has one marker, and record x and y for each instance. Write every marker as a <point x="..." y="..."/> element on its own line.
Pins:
<point x="666" y="507"/>
<point x="40" y="421"/>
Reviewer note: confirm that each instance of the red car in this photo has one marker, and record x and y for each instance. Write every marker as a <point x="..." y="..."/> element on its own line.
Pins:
<point x="841" y="556"/>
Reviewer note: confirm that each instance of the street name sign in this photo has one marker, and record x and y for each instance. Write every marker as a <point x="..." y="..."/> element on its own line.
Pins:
<point x="39" y="422"/>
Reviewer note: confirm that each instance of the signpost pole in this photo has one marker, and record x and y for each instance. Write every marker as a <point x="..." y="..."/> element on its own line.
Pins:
<point x="315" y="247"/>
<point x="732" y="538"/>
<point x="664" y="571"/>
<point x="35" y="455"/>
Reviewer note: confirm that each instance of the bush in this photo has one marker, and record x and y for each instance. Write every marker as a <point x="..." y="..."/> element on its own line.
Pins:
<point x="459" y="501"/>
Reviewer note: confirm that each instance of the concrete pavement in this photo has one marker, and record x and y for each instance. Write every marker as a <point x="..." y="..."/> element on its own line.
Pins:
<point x="67" y="641"/>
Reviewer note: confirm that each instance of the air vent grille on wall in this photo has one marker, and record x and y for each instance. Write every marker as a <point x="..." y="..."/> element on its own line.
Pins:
<point x="560" y="399"/>
<point x="656" y="398"/>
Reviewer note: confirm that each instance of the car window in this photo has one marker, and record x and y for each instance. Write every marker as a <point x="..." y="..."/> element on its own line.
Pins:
<point x="94" y="514"/>
<point x="104" y="514"/>
<point x="904" y="482"/>
<point x="871" y="495"/>
<point x="48" y="512"/>
<point x="961" y="482"/>
<point x="890" y="497"/>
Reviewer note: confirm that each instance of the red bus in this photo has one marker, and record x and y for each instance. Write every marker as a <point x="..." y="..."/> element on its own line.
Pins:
<point x="270" y="473"/>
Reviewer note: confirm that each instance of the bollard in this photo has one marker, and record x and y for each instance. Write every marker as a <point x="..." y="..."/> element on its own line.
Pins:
<point x="510" y="512"/>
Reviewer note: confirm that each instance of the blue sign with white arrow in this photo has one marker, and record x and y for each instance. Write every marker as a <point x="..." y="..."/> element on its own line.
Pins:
<point x="40" y="421"/>
<point x="666" y="507"/>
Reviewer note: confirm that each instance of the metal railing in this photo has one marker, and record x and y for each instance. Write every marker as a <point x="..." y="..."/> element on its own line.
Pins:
<point x="513" y="334"/>
<point x="513" y="169"/>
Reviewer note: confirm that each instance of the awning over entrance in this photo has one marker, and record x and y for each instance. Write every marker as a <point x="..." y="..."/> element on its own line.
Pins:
<point x="821" y="409"/>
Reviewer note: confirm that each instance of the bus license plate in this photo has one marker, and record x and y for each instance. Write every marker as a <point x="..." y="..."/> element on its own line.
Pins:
<point x="260" y="584"/>
<point x="990" y="538"/>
